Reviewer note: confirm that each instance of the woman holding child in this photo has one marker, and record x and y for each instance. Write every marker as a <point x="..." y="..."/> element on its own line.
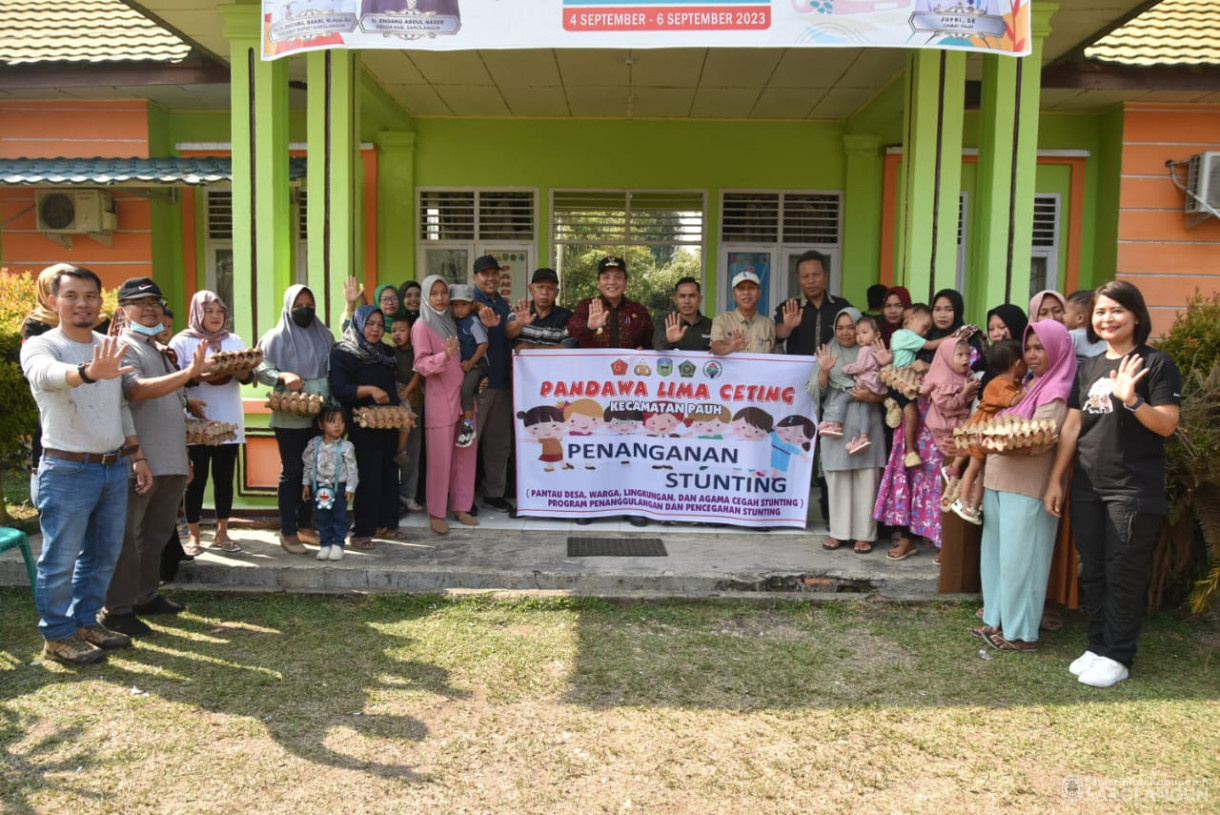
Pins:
<point x="1018" y="532"/>
<point x="851" y="477"/>
<point x="450" y="475"/>
<point x="361" y="375"/>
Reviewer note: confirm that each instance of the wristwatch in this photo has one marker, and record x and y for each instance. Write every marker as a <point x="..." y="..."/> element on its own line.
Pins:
<point x="1139" y="403"/>
<point x="84" y="377"/>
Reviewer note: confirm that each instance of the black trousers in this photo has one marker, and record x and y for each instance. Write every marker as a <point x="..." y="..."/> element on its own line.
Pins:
<point x="1116" y="543"/>
<point x="377" y="492"/>
<point x="294" y="513"/>
<point x="223" y="462"/>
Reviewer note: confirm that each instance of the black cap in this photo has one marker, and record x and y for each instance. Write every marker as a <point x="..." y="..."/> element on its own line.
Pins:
<point x="611" y="263"/>
<point x="545" y="276"/>
<point x="486" y="262"/>
<point x="138" y="288"/>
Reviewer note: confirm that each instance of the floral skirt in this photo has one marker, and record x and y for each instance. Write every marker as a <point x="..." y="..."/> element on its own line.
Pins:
<point x="911" y="497"/>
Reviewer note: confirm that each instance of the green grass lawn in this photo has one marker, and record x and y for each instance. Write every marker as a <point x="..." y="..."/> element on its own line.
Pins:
<point x="295" y="703"/>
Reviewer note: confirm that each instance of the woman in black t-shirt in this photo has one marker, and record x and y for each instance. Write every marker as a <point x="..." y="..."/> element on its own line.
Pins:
<point x="1123" y="407"/>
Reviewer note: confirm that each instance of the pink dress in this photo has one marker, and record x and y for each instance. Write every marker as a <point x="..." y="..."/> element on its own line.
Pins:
<point x="864" y="371"/>
<point x="450" y="469"/>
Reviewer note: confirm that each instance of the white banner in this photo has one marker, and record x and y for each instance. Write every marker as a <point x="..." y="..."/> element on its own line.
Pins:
<point x="997" y="26"/>
<point x="673" y="436"/>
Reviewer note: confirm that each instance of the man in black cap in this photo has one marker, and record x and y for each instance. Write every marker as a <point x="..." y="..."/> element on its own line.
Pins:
<point x="806" y="323"/>
<point x="154" y="388"/>
<point x="542" y="323"/>
<point x="688" y="328"/>
<point x="494" y="417"/>
<point x="611" y="320"/>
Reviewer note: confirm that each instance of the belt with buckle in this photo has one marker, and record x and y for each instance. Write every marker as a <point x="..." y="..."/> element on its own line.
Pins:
<point x="86" y="458"/>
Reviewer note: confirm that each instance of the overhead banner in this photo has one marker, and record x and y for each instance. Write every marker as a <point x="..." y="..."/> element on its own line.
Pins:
<point x="673" y="436"/>
<point x="294" y="26"/>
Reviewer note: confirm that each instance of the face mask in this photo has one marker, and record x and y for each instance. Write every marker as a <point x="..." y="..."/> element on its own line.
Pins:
<point x="303" y="317"/>
<point x="146" y="330"/>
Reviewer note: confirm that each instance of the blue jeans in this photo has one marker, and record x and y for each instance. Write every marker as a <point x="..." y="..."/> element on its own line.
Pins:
<point x="332" y="523"/>
<point x="82" y="510"/>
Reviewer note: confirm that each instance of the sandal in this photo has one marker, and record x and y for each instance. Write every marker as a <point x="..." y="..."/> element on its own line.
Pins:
<point x="363" y="544"/>
<point x="904" y="549"/>
<point x="984" y="631"/>
<point x="227" y="545"/>
<point x="1052" y="620"/>
<point x="997" y="641"/>
<point x="831" y="544"/>
<point x="936" y="559"/>
<point x="862" y="547"/>
<point x="192" y="547"/>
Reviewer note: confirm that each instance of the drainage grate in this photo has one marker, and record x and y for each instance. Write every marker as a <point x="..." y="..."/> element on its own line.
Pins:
<point x="616" y="547"/>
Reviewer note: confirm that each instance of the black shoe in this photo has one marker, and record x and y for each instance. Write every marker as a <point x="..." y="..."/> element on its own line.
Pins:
<point x="474" y="509"/>
<point x="637" y="520"/>
<point x="160" y="605"/>
<point x="583" y="521"/>
<point x="499" y="503"/>
<point x="128" y="624"/>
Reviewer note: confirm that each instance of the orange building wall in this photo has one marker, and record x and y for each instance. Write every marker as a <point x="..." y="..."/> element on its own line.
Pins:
<point x="1155" y="249"/>
<point x="46" y="129"/>
<point x="75" y="129"/>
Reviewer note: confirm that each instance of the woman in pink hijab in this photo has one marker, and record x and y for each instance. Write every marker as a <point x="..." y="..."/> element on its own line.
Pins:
<point x="208" y="321"/>
<point x="1018" y="532"/>
<point x="1047" y="304"/>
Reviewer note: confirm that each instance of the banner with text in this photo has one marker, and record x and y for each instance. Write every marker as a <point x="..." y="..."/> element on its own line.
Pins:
<point x="673" y="436"/>
<point x="995" y="26"/>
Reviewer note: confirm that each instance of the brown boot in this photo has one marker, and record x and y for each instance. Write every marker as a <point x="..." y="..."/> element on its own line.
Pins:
<point x="438" y="525"/>
<point x="465" y="518"/>
<point x="292" y="545"/>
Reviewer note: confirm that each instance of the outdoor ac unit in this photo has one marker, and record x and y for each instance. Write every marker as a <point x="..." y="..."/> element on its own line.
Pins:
<point x="68" y="212"/>
<point x="1203" y="184"/>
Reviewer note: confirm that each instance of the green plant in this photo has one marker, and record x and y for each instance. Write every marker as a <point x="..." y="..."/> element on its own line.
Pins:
<point x="1187" y="561"/>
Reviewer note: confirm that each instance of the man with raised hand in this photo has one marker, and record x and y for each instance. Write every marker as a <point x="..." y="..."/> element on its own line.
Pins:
<point x="687" y="328"/>
<point x="155" y="389"/>
<point x="89" y="447"/>
<point x="543" y="324"/>
<point x="743" y="328"/>
<point x="806" y="323"/>
<point x="610" y="320"/>
<point x="494" y="414"/>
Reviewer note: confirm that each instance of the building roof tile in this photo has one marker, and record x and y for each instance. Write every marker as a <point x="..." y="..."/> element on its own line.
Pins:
<point x="125" y="171"/>
<point x="1173" y="32"/>
<point x="33" y="31"/>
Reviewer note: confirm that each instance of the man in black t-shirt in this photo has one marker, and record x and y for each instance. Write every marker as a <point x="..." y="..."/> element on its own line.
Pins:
<point x="806" y="323"/>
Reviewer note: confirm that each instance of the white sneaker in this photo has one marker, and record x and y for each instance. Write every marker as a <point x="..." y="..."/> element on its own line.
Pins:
<point x="1083" y="662"/>
<point x="324" y="552"/>
<point x="1104" y="673"/>
<point x="414" y="506"/>
<point x="336" y="553"/>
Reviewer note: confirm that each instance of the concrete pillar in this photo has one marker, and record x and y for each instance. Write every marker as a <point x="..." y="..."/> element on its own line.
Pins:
<point x="335" y="177"/>
<point x="862" y="203"/>
<point x="262" y="208"/>
<point x="396" y="205"/>
<point x="930" y="185"/>
<point x="1002" y="230"/>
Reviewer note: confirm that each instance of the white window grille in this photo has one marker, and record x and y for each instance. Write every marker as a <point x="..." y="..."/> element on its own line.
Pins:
<point x="1044" y="253"/>
<point x="218" y="247"/>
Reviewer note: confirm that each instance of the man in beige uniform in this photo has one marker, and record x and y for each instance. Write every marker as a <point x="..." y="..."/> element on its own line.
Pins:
<point x="743" y="328"/>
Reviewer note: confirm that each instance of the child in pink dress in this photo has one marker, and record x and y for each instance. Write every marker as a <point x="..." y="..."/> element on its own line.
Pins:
<point x="864" y="372"/>
<point x="950" y="391"/>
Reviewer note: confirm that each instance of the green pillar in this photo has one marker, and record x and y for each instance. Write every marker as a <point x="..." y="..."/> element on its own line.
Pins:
<point x="262" y="235"/>
<point x="1008" y="158"/>
<point x="862" y="202"/>
<point x="396" y="205"/>
<point x="932" y="171"/>
<point x="335" y="177"/>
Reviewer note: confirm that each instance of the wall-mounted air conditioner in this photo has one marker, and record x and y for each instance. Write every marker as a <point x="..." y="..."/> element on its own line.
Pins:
<point x="1203" y="184"/>
<point x="69" y="212"/>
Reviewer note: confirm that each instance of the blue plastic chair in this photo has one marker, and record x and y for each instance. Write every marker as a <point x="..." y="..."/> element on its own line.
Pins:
<point x="16" y="539"/>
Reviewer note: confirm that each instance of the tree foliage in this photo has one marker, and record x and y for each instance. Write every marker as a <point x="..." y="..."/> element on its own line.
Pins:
<point x="1187" y="561"/>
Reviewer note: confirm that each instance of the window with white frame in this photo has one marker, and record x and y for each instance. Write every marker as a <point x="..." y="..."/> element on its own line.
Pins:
<point x="1044" y="253"/>
<point x="301" y="234"/>
<point x="765" y="231"/>
<point x="457" y="225"/>
<point x="218" y="243"/>
<point x="660" y="235"/>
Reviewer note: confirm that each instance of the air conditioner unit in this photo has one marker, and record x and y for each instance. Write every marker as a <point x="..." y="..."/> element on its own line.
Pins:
<point x="1203" y="184"/>
<point x="68" y="212"/>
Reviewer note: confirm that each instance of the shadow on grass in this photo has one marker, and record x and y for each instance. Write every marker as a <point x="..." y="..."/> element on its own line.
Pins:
<point x="303" y="667"/>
